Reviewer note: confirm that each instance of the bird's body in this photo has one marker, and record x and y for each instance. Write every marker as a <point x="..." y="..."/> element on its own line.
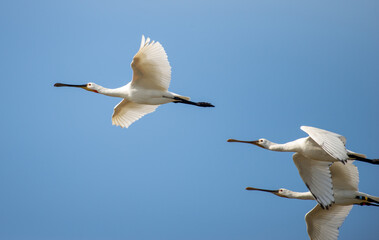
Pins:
<point x="138" y="95"/>
<point x="342" y="197"/>
<point x="313" y="156"/>
<point x="305" y="146"/>
<point x="320" y="145"/>
<point x="148" y="88"/>
<point x="324" y="224"/>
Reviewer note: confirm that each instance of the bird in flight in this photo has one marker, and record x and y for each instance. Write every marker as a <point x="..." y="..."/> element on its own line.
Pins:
<point x="313" y="157"/>
<point x="325" y="224"/>
<point x="148" y="88"/>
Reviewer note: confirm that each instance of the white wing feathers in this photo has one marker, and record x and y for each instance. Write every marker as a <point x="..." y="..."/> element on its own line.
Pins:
<point x="332" y="143"/>
<point x="317" y="177"/>
<point x="324" y="225"/>
<point x="150" y="65"/>
<point x="345" y="176"/>
<point x="125" y="113"/>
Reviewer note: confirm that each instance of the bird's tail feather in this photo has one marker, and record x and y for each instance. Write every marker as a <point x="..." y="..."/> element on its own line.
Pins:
<point x="180" y="96"/>
<point x="355" y="154"/>
<point x="183" y="97"/>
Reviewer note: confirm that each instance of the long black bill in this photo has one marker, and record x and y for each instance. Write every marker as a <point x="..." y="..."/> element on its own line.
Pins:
<point x="240" y="141"/>
<point x="263" y="190"/>
<point x="69" y="85"/>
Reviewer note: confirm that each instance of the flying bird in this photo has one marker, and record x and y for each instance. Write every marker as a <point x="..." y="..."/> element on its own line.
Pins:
<point x="148" y="88"/>
<point x="325" y="224"/>
<point x="313" y="156"/>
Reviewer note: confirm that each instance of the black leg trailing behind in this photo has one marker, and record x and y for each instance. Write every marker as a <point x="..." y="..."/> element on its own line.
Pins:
<point x="199" y="104"/>
<point x="358" y="158"/>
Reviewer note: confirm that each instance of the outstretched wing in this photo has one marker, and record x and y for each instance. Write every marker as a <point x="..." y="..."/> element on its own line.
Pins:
<point x="332" y="143"/>
<point x="324" y="224"/>
<point x="125" y="113"/>
<point x="150" y="65"/>
<point x="317" y="177"/>
<point x="345" y="176"/>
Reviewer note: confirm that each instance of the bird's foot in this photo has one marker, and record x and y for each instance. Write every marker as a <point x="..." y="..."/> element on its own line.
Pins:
<point x="204" y="104"/>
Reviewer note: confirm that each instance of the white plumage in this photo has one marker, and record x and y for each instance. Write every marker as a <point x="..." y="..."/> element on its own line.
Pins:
<point x="324" y="224"/>
<point x="148" y="88"/>
<point x="317" y="177"/>
<point x="330" y="142"/>
<point x="151" y="69"/>
<point x="125" y="113"/>
<point x="314" y="155"/>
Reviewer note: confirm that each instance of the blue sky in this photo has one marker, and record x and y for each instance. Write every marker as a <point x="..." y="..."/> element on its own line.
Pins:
<point x="268" y="67"/>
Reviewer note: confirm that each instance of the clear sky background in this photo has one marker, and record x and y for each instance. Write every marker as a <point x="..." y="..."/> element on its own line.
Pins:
<point x="268" y="67"/>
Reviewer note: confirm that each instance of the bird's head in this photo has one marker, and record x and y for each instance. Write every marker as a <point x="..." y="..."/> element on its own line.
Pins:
<point x="282" y="192"/>
<point x="92" y="87"/>
<point x="263" y="143"/>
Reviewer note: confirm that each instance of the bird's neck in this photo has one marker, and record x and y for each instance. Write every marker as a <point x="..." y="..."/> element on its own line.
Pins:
<point x="301" y="195"/>
<point x="286" y="147"/>
<point x="116" y="92"/>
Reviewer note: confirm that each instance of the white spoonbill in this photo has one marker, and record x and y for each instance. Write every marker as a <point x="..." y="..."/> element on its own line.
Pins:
<point x="148" y="88"/>
<point x="314" y="155"/>
<point x="325" y="224"/>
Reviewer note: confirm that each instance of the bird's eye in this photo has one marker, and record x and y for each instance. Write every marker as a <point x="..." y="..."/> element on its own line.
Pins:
<point x="89" y="84"/>
<point x="261" y="140"/>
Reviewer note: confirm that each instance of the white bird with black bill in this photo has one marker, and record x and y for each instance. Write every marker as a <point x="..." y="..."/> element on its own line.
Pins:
<point x="148" y="88"/>
<point x="325" y="223"/>
<point x="313" y="156"/>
